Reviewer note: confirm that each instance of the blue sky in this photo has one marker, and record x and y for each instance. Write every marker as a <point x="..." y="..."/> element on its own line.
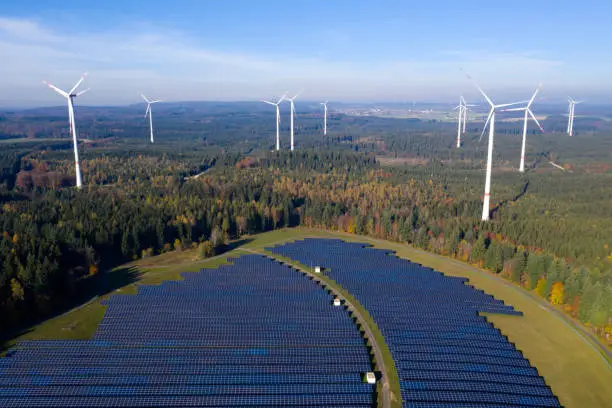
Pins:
<point x="334" y="49"/>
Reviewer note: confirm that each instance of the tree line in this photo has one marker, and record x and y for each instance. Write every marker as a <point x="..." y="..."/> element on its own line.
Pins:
<point x="56" y="240"/>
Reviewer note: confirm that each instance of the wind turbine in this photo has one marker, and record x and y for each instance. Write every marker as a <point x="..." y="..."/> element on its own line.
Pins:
<point x="277" y="119"/>
<point x="570" y="120"/>
<point x="150" y="112"/>
<point x="491" y="122"/>
<point x="466" y="106"/>
<point x="528" y="112"/>
<point x="292" y="112"/>
<point x="324" y="117"/>
<point x="460" y="117"/>
<point x="70" y="95"/>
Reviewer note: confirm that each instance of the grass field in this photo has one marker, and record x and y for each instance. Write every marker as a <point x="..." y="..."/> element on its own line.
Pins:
<point x="25" y="140"/>
<point x="571" y="364"/>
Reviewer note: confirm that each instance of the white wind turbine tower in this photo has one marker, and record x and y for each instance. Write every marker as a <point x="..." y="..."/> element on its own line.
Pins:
<point x="570" y="120"/>
<point x="324" y="117"/>
<point x="528" y="112"/>
<point x="276" y="104"/>
<point x="70" y="95"/>
<point x="460" y="117"/>
<point x="292" y="112"/>
<point x="150" y="112"/>
<point x="491" y="122"/>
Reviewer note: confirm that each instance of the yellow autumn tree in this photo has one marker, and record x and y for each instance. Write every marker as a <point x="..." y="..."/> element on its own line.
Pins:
<point x="351" y="226"/>
<point x="17" y="291"/>
<point x="556" y="293"/>
<point x="178" y="245"/>
<point x="93" y="269"/>
<point x="540" y="288"/>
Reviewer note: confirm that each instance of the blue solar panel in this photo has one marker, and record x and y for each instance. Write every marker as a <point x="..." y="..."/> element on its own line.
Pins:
<point x="254" y="333"/>
<point x="349" y="400"/>
<point x="445" y="352"/>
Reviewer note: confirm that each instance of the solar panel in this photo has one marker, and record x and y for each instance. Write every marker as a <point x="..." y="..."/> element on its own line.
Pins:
<point x="445" y="352"/>
<point x="253" y="333"/>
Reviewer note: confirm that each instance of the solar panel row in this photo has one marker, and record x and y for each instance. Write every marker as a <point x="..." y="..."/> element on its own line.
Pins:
<point x="179" y="369"/>
<point x="445" y="352"/>
<point x="254" y="333"/>
<point x="200" y="351"/>
<point x="184" y="390"/>
<point x="153" y="379"/>
<point x="354" y="400"/>
<point x="359" y="360"/>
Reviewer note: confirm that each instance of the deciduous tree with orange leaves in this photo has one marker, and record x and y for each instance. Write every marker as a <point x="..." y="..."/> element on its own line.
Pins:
<point x="556" y="294"/>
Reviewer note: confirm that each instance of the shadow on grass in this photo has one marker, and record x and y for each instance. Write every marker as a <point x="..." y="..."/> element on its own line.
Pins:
<point x="112" y="280"/>
<point x="233" y="245"/>
<point x="5" y="339"/>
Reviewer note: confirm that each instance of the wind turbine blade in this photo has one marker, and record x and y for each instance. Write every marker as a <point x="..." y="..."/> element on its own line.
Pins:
<point x="269" y="103"/>
<point x="82" y="92"/>
<point x="481" y="91"/>
<point x="513" y="110"/>
<point x="56" y="89"/>
<point x="535" y="120"/>
<point x="282" y="98"/>
<point x="78" y="83"/>
<point x="534" y="95"/>
<point x="145" y="98"/>
<point x="510" y="104"/>
<point x="484" y="129"/>
<point x="156" y="101"/>
<point x="298" y="94"/>
<point x="148" y="110"/>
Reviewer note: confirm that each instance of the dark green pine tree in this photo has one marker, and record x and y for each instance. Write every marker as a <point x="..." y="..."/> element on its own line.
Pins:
<point x="494" y="258"/>
<point x="479" y="251"/>
<point x="535" y="269"/>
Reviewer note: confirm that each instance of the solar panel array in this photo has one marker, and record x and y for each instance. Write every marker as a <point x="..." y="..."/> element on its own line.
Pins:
<point x="254" y="333"/>
<point x="446" y="354"/>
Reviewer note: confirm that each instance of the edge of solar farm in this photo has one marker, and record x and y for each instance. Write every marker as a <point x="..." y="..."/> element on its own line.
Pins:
<point x="251" y="333"/>
<point x="446" y="353"/>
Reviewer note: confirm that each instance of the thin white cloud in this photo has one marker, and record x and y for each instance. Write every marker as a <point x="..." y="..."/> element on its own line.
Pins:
<point x="171" y="65"/>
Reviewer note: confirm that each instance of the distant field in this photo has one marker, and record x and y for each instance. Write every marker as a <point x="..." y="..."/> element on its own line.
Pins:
<point x="571" y="364"/>
<point x="540" y="118"/>
<point x="402" y="161"/>
<point x="26" y="139"/>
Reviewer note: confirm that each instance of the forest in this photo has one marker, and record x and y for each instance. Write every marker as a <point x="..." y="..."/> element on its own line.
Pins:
<point x="549" y="233"/>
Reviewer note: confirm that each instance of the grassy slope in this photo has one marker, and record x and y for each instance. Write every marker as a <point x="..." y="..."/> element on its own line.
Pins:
<point x="575" y="370"/>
